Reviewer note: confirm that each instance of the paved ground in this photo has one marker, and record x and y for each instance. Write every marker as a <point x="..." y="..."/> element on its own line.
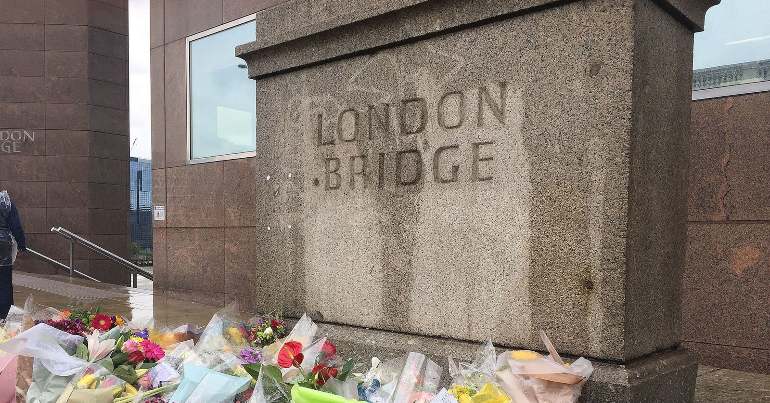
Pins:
<point x="726" y="385"/>
<point x="715" y="385"/>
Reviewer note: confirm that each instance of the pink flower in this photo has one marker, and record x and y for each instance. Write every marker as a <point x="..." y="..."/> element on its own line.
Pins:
<point x="145" y="382"/>
<point x="129" y="346"/>
<point x="152" y="351"/>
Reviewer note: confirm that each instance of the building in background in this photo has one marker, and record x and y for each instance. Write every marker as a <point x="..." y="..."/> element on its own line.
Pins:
<point x="64" y="127"/>
<point x="726" y="278"/>
<point x="140" y="210"/>
<point x="207" y="243"/>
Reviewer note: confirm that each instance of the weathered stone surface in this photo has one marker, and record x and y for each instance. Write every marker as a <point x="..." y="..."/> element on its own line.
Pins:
<point x="333" y="28"/>
<point x="575" y="106"/>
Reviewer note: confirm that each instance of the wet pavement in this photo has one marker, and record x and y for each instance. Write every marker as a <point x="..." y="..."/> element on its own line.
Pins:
<point x="714" y="385"/>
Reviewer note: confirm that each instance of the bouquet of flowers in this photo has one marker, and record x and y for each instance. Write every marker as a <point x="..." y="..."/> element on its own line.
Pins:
<point x="298" y="361"/>
<point x="409" y="379"/>
<point x="475" y="382"/>
<point x="527" y="376"/>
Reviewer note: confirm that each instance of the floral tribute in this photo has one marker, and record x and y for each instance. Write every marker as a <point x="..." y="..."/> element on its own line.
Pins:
<point x="257" y="360"/>
<point x="79" y="321"/>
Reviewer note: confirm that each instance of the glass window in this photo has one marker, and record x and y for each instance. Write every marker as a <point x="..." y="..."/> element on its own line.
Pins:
<point x="734" y="49"/>
<point x="222" y="98"/>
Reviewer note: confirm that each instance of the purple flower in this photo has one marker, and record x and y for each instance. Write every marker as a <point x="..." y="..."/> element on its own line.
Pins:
<point x="145" y="334"/>
<point x="251" y="356"/>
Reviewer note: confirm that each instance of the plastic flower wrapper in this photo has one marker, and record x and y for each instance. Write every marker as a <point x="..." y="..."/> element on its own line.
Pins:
<point x="95" y="384"/>
<point x="224" y="332"/>
<point x="263" y="331"/>
<point x="413" y="378"/>
<point x="347" y="389"/>
<point x="475" y="382"/>
<point x="303" y="332"/>
<point x="269" y="387"/>
<point x="204" y="385"/>
<point x="52" y="347"/>
<point x="528" y="376"/>
<point x="9" y="362"/>
<point x="168" y="337"/>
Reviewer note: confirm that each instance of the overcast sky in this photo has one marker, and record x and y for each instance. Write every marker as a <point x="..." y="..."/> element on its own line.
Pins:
<point x="139" y="76"/>
<point x="737" y="31"/>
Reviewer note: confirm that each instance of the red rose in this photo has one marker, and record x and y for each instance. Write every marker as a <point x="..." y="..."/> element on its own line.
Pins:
<point x="275" y="323"/>
<point x="290" y="354"/>
<point x="102" y="322"/>
<point x="135" y="357"/>
<point x="329" y="350"/>
<point x="324" y="373"/>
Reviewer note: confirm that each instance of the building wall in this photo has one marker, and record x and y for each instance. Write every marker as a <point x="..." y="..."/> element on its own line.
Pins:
<point x="206" y="244"/>
<point x="64" y="80"/>
<point x="727" y="276"/>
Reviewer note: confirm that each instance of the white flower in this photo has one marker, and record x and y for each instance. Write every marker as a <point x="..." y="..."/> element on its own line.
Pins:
<point x="99" y="349"/>
<point x="268" y="331"/>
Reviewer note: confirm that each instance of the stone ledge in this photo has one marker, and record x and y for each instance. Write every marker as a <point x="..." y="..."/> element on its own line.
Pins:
<point x="374" y="24"/>
<point x="666" y="376"/>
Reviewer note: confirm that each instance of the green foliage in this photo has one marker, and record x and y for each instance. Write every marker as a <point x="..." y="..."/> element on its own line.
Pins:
<point x="82" y="352"/>
<point x="126" y="373"/>
<point x="347" y="367"/>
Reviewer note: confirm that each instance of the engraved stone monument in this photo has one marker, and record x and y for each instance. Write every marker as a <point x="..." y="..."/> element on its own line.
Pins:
<point x="481" y="169"/>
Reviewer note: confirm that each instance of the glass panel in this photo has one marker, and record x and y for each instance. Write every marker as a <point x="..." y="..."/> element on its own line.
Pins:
<point x="222" y="97"/>
<point x="735" y="47"/>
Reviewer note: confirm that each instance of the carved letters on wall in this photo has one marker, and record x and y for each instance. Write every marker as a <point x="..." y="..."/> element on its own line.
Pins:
<point x="409" y="117"/>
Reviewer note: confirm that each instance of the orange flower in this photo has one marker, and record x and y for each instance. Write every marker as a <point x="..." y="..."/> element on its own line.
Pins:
<point x="290" y="355"/>
<point x="65" y="314"/>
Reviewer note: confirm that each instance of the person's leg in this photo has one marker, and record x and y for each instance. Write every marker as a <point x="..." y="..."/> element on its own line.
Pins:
<point x="6" y="290"/>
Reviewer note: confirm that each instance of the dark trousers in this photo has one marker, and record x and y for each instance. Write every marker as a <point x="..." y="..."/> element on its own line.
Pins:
<point x="6" y="290"/>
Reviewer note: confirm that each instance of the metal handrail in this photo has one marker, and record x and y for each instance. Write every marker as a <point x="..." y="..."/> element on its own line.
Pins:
<point x="74" y="238"/>
<point x="59" y="264"/>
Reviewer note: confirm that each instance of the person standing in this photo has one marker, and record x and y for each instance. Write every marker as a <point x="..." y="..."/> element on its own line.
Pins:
<point x="11" y="240"/>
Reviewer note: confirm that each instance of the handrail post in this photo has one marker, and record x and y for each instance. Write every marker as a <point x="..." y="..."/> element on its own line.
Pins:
<point x="72" y="257"/>
<point x="133" y="279"/>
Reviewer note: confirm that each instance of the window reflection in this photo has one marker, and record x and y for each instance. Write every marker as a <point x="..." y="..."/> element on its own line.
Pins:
<point x="735" y="46"/>
<point x="222" y="97"/>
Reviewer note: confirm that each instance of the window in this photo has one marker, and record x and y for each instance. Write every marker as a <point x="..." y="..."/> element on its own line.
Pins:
<point x="732" y="55"/>
<point x="221" y="108"/>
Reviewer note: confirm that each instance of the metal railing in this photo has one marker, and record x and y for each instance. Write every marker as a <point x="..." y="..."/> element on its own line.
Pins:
<point x="60" y="264"/>
<point x="75" y="238"/>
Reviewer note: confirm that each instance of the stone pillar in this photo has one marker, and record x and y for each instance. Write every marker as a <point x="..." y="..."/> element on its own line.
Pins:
<point x="484" y="169"/>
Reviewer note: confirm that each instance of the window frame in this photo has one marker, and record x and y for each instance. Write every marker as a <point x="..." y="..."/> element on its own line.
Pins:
<point x="188" y="41"/>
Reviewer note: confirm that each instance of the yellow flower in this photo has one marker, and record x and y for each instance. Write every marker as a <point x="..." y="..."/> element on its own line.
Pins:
<point x="119" y="321"/>
<point x="130" y="390"/>
<point x="86" y="381"/>
<point x="136" y="339"/>
<point x="490" y="393"/>
<point x="460" y="390"/>
<point x="525" y="355"/>
<point x="235" y="335"/>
